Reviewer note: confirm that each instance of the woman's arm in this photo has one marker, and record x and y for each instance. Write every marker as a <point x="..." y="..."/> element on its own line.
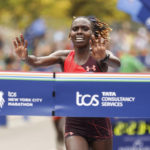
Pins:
<point x="21" y="51"/>
<point x="57" y="57"/>
<point x="111" y="60"/>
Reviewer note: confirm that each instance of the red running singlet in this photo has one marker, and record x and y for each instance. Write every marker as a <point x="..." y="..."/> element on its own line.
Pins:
<point x="70" y="65"/>
<point x="89" y="128"/>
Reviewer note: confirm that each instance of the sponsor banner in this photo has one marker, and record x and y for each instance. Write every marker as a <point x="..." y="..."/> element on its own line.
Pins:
<point x="27" y="94"/>
<point x="113" y="95"/>
<point x="78" y="95"/>
<point x="102" y="99"/>
<point x="131" y="134"/>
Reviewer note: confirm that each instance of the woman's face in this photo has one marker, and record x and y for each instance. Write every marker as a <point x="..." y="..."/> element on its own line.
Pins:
<point x="81" y="32"/>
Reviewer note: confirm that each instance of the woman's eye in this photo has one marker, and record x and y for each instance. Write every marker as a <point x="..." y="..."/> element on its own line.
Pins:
<point x="75" y="29"/>
<point x="85" y="28"/>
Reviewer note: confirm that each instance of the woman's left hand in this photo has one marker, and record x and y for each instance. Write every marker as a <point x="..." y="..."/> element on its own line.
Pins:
<point x="98" y="47"/>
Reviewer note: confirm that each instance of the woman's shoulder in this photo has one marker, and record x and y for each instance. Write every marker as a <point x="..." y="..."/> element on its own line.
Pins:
<point x="62" y="55"/>
<point x="63" y="52"/>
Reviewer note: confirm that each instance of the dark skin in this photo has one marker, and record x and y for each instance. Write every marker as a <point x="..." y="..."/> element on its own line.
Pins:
<point x="82" y="48"/>
<point x="83" y="40"/>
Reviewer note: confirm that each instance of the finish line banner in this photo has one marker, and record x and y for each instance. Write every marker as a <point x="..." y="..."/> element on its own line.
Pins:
<point x="77" y="95"/>
<point x="26" y="93"/>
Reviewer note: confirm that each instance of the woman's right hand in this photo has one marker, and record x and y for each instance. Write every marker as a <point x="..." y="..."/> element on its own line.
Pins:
<point x="21" y="47"/>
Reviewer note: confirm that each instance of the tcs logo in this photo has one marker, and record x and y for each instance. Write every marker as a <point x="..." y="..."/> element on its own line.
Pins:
<point x="87" y="99"/>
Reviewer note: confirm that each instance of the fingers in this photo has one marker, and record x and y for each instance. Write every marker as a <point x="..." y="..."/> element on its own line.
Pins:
<point x="99" y="41"/>
<point x="96" y="41"/>
<point x="93" y="38"/>
<point x="98" y="47"/>
<point x="26" y="44"/>
<point x="20" y="47"/>
<point x="15" y="44"/>
<point x="20" y="42"/>
<point x="105" y="42"/>
<point x="22" y="39"/>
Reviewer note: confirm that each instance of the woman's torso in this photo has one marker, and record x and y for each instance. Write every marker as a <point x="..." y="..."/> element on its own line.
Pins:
<point x="88" y="127"/>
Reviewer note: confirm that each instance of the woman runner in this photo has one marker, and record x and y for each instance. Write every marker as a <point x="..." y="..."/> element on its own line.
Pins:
<point x="89" y="37"/>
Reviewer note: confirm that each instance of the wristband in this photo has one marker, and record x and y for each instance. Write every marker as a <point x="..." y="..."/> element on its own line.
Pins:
<point x="105" y="59"/>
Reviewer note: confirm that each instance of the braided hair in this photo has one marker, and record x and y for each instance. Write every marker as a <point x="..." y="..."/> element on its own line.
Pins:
<point x="98" y="27"/>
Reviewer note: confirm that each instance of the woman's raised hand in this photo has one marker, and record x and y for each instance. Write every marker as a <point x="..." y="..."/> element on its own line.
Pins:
<point x="21" y="47"/>
<point x="98" y="47"/>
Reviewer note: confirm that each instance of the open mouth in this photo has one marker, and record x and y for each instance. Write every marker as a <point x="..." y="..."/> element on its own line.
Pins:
<point x="79" y="38"/>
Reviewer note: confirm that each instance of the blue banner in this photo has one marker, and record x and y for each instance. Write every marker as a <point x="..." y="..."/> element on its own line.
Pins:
<point x="25" y="94"/>
<point x="131" y="134"/>
<point x="102" y="99"/>
<point x="138" y="9"/>
<point x="144" y="16"/>
<point x="146" y="3"/>
<point x="78" y="95"/>
<point x="102" y="95"/>
<point x="131" y="7"/>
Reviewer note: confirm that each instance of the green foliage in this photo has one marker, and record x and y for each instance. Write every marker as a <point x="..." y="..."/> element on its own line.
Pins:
<point x="103" y="9"/>
<point x="20" y="13"/>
